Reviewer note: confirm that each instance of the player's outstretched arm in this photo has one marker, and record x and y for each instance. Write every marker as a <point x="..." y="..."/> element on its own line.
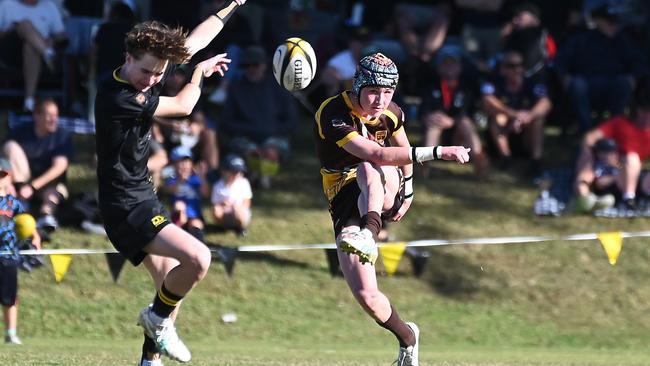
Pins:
<point x="205" y="32"/>
<point x="369" y="150"/>
<point x="183" y="103"/>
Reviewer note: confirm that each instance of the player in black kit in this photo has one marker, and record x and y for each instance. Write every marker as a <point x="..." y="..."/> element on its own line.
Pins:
<point x="135" y="220"/>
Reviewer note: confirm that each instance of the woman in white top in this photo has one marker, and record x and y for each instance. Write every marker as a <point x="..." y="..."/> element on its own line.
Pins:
<point x="232" y="196"/>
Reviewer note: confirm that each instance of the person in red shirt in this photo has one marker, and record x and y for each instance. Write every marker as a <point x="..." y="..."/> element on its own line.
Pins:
<point x="633" y="139"/>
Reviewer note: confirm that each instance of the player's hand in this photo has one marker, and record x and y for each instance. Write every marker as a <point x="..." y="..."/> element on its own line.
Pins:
<point x="458" y="153"/>
<point x="402" y="210"/>
<point x="240" y="2"/>
<point x="218" y="64"/>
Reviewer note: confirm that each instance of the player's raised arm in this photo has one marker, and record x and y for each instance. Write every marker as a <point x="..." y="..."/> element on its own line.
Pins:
<point x="183" y="103"/>
<point x="205" y="32"/>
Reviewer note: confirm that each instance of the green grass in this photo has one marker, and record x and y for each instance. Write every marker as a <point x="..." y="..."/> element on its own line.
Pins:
<point x="227" y="353"/>
<point x="552" y="303"/>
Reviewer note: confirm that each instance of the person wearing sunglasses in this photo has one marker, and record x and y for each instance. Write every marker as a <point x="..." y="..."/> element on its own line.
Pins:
<point x="516" y="107"/>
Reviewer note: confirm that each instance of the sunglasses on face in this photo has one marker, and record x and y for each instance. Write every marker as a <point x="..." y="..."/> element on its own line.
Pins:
<point x="512" y="65"/>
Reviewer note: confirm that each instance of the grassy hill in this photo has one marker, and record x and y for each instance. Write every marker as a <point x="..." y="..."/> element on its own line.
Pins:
<point x="502" y="302"/>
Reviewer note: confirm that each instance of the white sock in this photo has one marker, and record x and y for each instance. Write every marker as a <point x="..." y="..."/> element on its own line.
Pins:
<point x="629" y="196"/>
<point x="28" y="104"/>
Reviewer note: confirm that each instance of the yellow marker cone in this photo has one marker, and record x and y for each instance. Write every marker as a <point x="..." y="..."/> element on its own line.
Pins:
<point x="391" y="254"/>
<point x="60" y="265"/>
<point x="612" y="243"/>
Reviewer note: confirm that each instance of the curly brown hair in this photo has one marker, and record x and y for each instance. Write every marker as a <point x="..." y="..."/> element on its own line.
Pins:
<point x="158" y="39"/>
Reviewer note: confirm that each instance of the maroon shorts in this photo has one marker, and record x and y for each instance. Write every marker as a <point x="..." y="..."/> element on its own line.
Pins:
<point x="343" y="207"/>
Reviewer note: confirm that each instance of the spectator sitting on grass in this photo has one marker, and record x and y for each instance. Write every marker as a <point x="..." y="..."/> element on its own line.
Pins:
<point x="232" y="196"/>
<point x="186" y="189"/>
<point x="258" y="117"/>
<point x="598" y="185"/>
<point x="447" y="106"/>
<point x="633" y="139"/>
<point x="516" y="107"/>
<point x="39" y="154"/>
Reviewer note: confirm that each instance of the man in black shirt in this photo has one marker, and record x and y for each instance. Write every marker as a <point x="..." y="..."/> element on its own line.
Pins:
<point x="447" y="106"/>
<point x="516" y="107"/>
<point x="135" y="220"/>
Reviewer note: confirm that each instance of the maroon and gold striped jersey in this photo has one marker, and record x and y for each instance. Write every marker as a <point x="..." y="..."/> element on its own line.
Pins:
<point x="336" y="124"/>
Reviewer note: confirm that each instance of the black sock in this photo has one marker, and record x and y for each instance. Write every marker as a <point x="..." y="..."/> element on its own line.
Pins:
<point x="165" y="302"/>
<point x="372" y="222"/>
<point x="399" y="328"/>
<point x="148" y="346"/>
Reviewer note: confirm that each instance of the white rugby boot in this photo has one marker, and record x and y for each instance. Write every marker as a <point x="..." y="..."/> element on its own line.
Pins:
<point x="360" y="242"/>
<point x="409" y="356"/>
<point x="163" y="333"/>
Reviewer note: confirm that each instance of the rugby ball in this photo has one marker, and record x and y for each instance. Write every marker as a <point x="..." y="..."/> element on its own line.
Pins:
<point x="294" y="64"/>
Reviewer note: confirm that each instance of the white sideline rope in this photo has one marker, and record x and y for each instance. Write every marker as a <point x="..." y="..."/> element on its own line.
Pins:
<point x="417" y="243"/>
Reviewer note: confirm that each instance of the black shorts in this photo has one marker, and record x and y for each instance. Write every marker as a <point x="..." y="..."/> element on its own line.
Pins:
<point x="8" y="281"/>
<point x="344" y="208"/>
<point x="131" y="229"/>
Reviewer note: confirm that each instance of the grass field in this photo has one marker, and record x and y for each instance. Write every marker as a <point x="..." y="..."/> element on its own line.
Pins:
<point x="552" y="303"/>
<point x="78" y="353"/>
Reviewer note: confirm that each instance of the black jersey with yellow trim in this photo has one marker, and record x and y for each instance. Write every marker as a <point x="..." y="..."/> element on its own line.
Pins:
<point x="123" y="120"/>
<point x="336" y="124"/>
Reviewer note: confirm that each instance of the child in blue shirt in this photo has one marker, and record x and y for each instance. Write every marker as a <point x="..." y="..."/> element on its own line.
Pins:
<point x="186" y="189"/>
<point x="10" y="206"/>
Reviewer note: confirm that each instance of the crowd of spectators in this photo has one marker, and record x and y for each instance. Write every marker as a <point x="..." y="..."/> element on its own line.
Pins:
<point x="487" y="74"/>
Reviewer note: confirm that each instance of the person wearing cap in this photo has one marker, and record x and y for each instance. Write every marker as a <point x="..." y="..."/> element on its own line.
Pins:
<point x="631" y="136"/>
<point x="447" y="106"/>
<point x="10" y="206"/>
<point x="186" y="190"/>
<point x="258" y="118"/>
<point x="516" y="107"/>
<point x="232" y="196"/>
<point x="40" y="155"/>
<point x="367" y="173"/>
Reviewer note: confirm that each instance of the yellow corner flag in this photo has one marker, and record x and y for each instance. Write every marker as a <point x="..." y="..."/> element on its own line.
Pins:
<point x="612" y="243"/>
<point x="60" y="265"/>
<point x="391" y="254"/>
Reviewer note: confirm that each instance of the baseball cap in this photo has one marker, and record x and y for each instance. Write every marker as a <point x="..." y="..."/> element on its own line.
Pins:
<point x="234" y="163"/>
<point x="449" y="51"/>
<point x="5" y="166"/>
<point x="181" y="152"/>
